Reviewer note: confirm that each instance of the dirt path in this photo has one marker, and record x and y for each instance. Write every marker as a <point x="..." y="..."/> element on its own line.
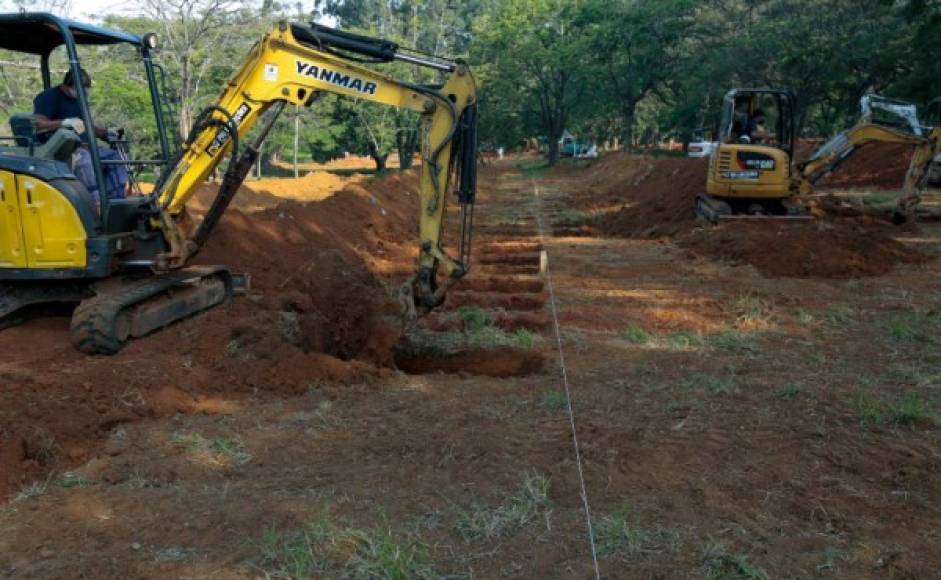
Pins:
<point x="731" y="425"/>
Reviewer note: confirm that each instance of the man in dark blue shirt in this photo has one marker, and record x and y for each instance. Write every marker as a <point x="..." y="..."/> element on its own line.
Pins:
<point x="59" y="108"/>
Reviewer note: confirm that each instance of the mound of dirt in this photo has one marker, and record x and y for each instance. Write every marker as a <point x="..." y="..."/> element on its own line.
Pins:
<point x="659" y="201"/>
<point x="874" y="165"/>
<point x="837" y="249"/>
<point x="319" y="312"/>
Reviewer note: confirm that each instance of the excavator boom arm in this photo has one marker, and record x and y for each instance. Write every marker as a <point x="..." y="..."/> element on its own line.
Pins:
<point x="293" y="65"/>
<point x="830" y="155"/>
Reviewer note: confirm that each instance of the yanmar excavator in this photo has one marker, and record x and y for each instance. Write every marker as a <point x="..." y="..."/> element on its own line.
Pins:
<point x="126" y="264"/>
<point x="752" y="174"/>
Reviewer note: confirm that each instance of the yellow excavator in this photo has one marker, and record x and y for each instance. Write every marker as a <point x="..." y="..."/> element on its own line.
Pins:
<point x="752" y="173"/>
<point x="125" y="261"/>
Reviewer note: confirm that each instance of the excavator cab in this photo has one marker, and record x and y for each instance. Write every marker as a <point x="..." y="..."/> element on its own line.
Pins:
<point x="52" y="225"/>
<point x="750" y="170"/>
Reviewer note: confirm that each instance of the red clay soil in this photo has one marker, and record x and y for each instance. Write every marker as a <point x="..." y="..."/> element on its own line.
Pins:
<point x="643" y="197"/>
<point x="839" y="249"/>
<point x="874" y="165"/>
<point x="318" y="310"/>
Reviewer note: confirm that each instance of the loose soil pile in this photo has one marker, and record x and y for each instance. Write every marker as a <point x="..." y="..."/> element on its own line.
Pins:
<point x="840" y="249"/>
<point x="872" y="166"/>
<point x="320" y="310"/>
<point x="647" y="197"/>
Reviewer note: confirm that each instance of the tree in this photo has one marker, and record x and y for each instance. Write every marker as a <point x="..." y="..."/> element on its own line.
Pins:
<point x="637" y="47"/>
<point x="531" y="55"/>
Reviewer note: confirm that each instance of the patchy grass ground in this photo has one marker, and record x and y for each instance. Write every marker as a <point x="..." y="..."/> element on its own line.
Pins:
<point x="731" y="425"/>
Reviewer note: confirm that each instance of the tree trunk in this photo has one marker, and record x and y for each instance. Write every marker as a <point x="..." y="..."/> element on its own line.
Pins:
<point x="627" y="132"/>
<point x="553" y="150"/>
<point x="406" y="144"/>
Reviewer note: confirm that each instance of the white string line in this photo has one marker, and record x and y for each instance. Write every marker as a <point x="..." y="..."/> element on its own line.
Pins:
<point x="565" y="383"/>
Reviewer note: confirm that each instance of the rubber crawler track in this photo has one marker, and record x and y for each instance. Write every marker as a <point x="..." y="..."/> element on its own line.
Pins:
<point x="93" y="322"/>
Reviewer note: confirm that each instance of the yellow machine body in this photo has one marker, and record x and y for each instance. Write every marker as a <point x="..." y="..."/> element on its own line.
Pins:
<point x="739" y="170"/>
<point x="40" y="227"/>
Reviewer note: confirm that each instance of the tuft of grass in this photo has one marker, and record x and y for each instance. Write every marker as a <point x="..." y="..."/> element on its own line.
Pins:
<point x="474" y="318"/>
<point x="789" y="391"/>
<point x="713" y="384"/>
<point x="636" y="335"/>
<point x="572" y="217"/>
<point x="554" y="401"/>
<point x="233" y="348"/>
<point x="220" y="450"/>
<point x="805" y="316"/>
<point x="324" y="549"/>
<point x="751" y="308"/>
<point x="912" y="327"/>
<point x="734" y="341"/>
<point x="721" y="565"/>
<point x="618" y="537"/>
<point x="683" y="340"/>
<point x="905" y="412"/>
<point x="72" y="479"/>
<point x="840" y="314"/>
<point x="34" y="489"/>
<point x="488" y="523"/>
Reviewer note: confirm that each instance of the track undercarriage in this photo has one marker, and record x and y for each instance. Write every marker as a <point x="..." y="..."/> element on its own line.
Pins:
<point x="112" y="311"/>
<point x="714" y="209"/>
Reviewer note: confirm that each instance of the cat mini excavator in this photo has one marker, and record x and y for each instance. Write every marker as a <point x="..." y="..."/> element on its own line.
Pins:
<point x="126" y="264"/>
<point x="752" y="173"/>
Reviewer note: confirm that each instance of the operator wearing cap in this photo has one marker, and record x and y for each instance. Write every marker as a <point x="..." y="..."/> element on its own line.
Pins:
<point x="59" y="108"/>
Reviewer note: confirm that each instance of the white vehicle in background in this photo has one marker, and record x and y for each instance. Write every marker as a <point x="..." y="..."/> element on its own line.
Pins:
<point x="700" y="146"/>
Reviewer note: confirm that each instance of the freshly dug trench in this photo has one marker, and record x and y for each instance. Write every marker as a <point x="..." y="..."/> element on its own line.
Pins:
<point x="491" y="363"/>
<point x="502" y="284"/>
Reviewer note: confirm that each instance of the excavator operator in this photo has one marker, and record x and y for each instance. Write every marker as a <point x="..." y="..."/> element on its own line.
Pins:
<point x="58" y="108"/>
<point x="755" y="127"/>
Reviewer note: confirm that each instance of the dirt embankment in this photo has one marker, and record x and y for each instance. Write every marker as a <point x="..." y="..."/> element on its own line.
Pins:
<point x="319" y="311"/>
<point x="649" y="197"/>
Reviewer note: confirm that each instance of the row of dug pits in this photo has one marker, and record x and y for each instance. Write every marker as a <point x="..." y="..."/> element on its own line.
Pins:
<point x="492" y="321"/>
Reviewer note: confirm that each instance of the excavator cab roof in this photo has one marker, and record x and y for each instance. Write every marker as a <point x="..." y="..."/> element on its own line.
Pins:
<point x="40" y="33"/>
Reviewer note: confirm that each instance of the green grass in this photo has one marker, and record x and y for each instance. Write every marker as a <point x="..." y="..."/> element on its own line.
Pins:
<point x="789" y="391"/>
<point x="533" y="168"/>
<point x="734" y="341"/>
<point x="907" y="411"/>
<point x="840" y="314"/>
<point x="474" y="318"/>
<point x="72" y="479"/>
<point x="721" y="565"/>
<point x="233" y="348"/>
<point x="554" y="401"/>
<point x="572" y="217"/>
<point x="221" y="449"/>
<point x="751" y="308"/>
<point x="488" y="523"/>
<point x="636" y="335"/>
<point x="325" y="549"/>
<point x="617" y="536"/>
<point x="913" y="327"/>
<point x="714" y="384"/>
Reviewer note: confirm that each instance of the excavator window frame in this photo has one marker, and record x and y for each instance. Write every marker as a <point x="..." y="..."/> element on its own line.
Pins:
<point x="753" y="99"/>
<point x="40" y="33"/>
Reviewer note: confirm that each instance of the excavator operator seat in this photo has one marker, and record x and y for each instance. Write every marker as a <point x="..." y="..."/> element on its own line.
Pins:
<point x="59" y="147"/>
